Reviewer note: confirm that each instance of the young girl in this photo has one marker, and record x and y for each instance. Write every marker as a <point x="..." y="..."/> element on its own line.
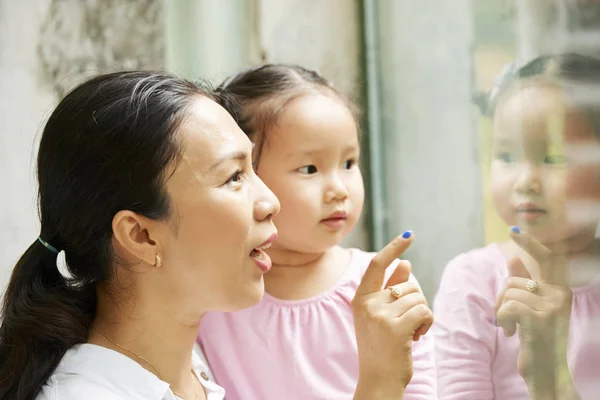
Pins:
<point x="299" y="342"/>
<point x="543" y="282"/>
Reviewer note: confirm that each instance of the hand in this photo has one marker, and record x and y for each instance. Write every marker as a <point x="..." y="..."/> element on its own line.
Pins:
<point x="386" y="325"/>
<point x="541" y="308"/>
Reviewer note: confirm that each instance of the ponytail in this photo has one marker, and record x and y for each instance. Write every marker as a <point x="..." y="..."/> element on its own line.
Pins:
<point x="43" y="315"/>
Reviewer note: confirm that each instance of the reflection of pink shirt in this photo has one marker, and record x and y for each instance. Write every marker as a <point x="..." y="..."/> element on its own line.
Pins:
<point x="300" y="349"/>
<point x="473" y="357"/>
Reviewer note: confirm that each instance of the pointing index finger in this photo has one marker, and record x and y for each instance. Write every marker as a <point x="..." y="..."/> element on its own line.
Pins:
<point x="552" y="267"/>
<point x="372" y="280"/>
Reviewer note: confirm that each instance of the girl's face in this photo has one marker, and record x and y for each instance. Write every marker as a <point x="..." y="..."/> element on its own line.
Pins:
<point x="310" y="162"/>
<point x="545" y="172"/>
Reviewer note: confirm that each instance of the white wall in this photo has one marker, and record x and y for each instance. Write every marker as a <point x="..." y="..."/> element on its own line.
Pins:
<point x="24" y="102"/>
<point x="322" y="35"/>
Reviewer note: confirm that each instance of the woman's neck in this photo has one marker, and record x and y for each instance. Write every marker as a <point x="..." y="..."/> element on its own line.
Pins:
<point x="150" y="335"/>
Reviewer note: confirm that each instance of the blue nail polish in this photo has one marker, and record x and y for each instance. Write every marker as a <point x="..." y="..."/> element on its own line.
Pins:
<point x="495" y="322"/>
<point x="407" y="234"/>
<point x="515" y="229"/>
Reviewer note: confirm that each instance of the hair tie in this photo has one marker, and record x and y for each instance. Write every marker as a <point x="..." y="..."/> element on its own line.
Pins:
<point x="48" y="245"/>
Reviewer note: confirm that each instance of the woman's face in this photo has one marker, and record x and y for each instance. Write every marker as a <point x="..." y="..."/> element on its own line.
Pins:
<point x="221" y="212"/>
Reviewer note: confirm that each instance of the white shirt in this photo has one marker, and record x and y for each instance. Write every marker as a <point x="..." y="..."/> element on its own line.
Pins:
<point x="92" y="372"/>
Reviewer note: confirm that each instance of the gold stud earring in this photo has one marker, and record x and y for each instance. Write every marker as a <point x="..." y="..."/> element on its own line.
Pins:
<point x="158" y="263"/>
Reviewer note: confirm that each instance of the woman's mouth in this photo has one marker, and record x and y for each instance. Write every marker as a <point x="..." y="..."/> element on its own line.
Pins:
<point x="260" y="257"/>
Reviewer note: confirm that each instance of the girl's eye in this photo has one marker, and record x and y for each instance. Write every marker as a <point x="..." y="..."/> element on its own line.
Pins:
<point x="506" y="157"/>
<point x="555" y="160"/>
<point x="308" y="169"/>
<point x="236" y="178"/>
<point x="349" y="164"/>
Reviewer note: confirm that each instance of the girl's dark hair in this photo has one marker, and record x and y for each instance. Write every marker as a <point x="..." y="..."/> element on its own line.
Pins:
<point x="108" y="146"/>
<point x="577" y="74"/>
<point x="257" y="96"/>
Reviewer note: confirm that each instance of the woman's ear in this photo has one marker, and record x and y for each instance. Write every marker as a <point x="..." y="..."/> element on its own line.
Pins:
<point x="132" y="232"/>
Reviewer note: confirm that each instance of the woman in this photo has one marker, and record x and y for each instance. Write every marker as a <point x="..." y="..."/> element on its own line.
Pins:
<point x="147" y="185"/>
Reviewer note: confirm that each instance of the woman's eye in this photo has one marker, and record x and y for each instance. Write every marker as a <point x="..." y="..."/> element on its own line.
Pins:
<point x="236" y="178"/>
<point x="308" y="169"/>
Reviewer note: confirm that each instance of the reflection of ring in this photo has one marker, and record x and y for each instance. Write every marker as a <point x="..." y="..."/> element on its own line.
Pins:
<point x="532" y="286"/>
<point x="397" y="293"/>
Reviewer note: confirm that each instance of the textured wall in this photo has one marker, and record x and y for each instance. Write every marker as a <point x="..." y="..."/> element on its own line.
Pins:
<point x="83" y="38"/>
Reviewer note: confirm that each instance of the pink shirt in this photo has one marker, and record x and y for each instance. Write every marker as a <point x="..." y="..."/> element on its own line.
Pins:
<point x="475" y="360"/>
<point x="300" y="349"/>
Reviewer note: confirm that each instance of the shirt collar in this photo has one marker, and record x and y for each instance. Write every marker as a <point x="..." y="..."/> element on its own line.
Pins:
<point x="200" y="366"/>
<point x="115" y="370"/>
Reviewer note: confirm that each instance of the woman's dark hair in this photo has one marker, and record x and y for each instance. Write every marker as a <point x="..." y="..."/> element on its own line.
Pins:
<point x="108" y="146"/>
<point x="577" y="74"/>
<point x="257" y="96"/>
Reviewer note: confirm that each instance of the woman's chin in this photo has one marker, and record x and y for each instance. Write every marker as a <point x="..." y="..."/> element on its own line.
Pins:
<point x="250" y="296"/>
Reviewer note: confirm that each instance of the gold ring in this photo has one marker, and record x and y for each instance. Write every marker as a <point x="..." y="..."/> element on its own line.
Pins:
<point x="397" y="293"/>
<point x="532" y="286"/>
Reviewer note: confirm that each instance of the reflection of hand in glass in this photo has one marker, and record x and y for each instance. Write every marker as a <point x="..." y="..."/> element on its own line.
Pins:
<point x="386" y="323"/>
<point x="541" y="308"/>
